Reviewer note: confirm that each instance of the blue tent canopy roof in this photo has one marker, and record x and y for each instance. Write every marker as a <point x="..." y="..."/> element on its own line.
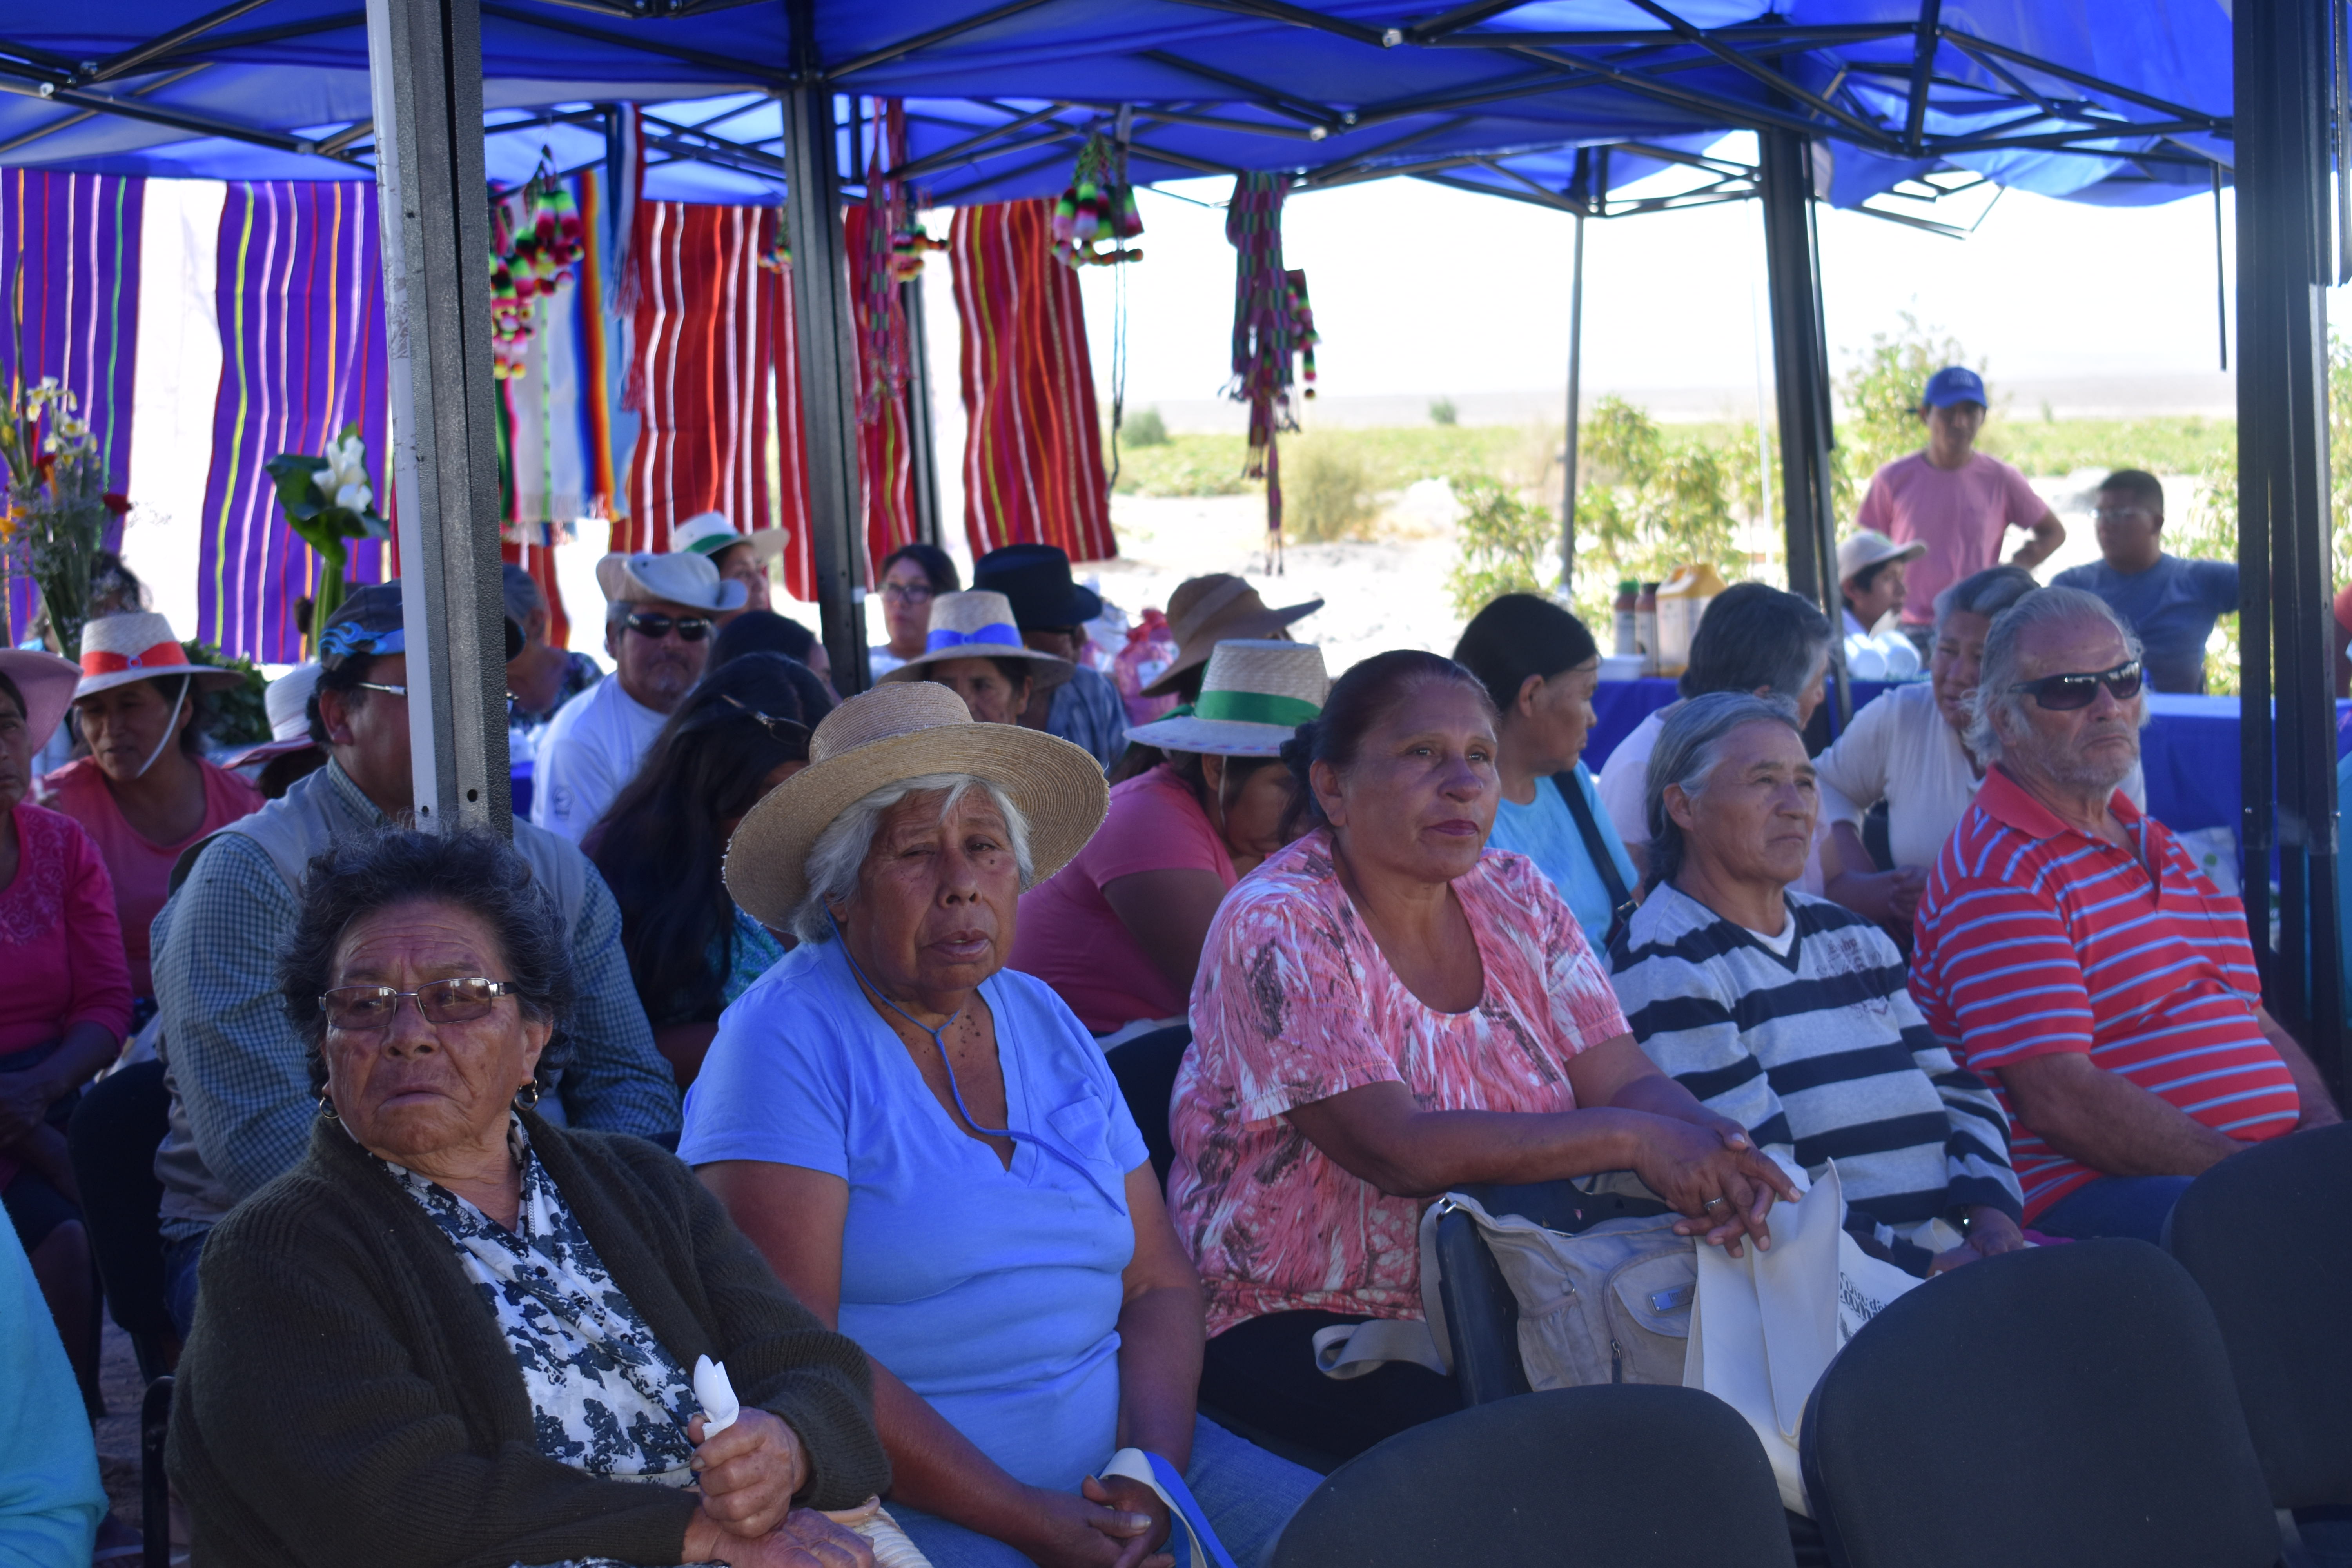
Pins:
<point x="2068" y="97"/>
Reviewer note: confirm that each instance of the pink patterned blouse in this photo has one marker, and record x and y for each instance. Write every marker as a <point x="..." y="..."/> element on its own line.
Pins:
<point x="1295" y="1003"/>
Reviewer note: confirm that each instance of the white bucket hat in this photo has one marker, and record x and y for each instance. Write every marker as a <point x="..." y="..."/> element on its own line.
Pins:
<point x="139" y="645"/>
<point x="904" y="732"/>
<point x="1253" y="697"/>
<point x="708" y="532"/>
<point x="677" y="578"/>
<point x="978" y="624"/>
<point x="288" y="701"/>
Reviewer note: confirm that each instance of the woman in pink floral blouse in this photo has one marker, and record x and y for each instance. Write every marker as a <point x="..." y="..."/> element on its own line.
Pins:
<point x="1385" y="1010"/>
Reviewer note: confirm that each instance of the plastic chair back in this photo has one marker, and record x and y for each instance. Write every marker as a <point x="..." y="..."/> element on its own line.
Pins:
<point x="2261" y="1234"/>
<point x="1628" y="1476"/>
<point x="1146" y="1069"/>
<point x="2060" y="1404"/>
<point x="111" y="1142"/>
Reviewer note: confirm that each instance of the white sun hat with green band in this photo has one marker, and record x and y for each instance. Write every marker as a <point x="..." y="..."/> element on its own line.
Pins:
<point x="708" y="532"/>
<point x="1253" y="697"/>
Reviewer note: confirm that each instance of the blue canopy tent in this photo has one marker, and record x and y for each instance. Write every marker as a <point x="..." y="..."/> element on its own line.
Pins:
<point x="1881" y="105"/>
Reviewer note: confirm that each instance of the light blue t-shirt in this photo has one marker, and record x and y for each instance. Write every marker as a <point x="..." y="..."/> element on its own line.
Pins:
<point x="994" y="1294"/>
<point x="1545" y="832"/>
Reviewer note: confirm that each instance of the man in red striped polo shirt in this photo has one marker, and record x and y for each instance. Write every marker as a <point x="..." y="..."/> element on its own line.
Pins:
<point x="2069" y="949"/>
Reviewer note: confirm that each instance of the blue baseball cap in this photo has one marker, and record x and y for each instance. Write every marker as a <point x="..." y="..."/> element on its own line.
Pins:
<point x="1954" y="383"/>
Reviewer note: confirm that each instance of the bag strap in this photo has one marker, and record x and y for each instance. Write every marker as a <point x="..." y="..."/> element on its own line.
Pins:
<point x="1138" y="1464"/>
<point x="1596" y="848"/>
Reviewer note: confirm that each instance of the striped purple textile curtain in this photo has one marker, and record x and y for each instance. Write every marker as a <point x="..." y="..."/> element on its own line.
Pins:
<point x="302" y="355"/>
<point x="70" y="270"/>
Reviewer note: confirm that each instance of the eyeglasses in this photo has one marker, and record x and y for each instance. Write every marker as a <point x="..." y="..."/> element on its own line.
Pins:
<point x="786" y="729"/>
<point x="380" y="686"/>
<point x="364" y="1009"/>
<point x="2064" y="693"/>
<point x="907" y="593"/>
<point x="689" y="628"/>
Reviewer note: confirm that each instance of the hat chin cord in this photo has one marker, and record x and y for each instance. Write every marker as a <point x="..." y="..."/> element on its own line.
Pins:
<point x="177" y="703"/>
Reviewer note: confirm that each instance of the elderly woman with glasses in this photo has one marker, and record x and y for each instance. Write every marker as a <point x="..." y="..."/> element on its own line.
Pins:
<point x="1787" y="1013"/>
<point x="742" y="731"/>
<point x="459" y="1334"/>
<point x="933" y="1153"/>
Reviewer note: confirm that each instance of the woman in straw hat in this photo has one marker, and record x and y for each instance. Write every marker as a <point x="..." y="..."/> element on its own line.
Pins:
<point x="1386" y="1010"/>
<point x="64" y="1004"/>
<point x="974" y="649"/>
<point x="931" y="1152"/>
<point x="145" y="793"/>
<point x="1118" y="932"/>
<point x="1205" y="611"/>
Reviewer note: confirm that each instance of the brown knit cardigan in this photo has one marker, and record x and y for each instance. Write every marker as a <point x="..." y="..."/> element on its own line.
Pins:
<point x="346" y="1399"/>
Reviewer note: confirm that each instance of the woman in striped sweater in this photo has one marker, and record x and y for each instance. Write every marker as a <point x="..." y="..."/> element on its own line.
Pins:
<point x="1788" y="1012"/>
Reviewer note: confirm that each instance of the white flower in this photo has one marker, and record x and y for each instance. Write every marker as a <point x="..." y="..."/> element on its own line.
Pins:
<point x="354" y="497"/>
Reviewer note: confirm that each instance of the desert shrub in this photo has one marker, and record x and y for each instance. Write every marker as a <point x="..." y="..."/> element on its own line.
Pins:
<point x="1327" y="491"/>
<point x="1443" y="412"/>
<point x="1146" y="429"/>
<point x="1510" y="544"/>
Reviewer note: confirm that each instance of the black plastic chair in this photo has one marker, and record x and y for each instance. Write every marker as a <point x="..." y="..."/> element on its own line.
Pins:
<point x="2064" y="1405"/>
<point x="1482" y="1316"/>
<point x="2261" y="1233"/>
<point x="111" y="1140"/>
<point x="1146" y="1069"/>
<point x="1622" y="1477"/>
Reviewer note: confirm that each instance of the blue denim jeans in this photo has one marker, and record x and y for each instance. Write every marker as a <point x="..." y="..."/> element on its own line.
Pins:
<point x="2137" y="1206"/>
<point x="1247" y="1493"/>
<point x="180" y="1260"/>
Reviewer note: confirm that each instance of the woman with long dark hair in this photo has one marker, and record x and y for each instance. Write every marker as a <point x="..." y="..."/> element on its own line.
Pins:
<point x="739" y="732"/>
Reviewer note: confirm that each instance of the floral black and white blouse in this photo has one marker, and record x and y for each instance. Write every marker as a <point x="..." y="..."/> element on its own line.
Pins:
<point x="607" y="1397"/>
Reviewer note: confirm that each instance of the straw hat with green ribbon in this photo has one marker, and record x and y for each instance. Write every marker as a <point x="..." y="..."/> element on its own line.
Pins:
<point x="1253" y="697"/>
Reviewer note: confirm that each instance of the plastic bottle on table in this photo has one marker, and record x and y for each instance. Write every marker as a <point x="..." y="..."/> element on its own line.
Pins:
<point x="1645" y="627"/>
<point x="1628" y="591"/>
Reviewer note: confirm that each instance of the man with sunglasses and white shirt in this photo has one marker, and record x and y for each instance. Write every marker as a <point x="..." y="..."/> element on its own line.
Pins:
<point x="2070" y="950"/>
<point x="660" y="613"/>
<point x="240" y="1076"/>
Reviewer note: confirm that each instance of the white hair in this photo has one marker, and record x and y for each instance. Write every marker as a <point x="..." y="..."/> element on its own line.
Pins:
<point x="839" y="853"/>
<point x="1998" y="673"/>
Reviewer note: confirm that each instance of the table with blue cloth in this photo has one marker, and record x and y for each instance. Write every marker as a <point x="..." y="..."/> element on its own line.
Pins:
<point x="2188" y="751"/>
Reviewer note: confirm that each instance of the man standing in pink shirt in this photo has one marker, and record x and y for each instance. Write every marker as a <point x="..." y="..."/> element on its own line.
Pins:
<point x="1954" y="499"/>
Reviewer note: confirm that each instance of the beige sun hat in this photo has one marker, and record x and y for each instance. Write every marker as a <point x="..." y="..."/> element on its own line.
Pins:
<point x="139" y="645"/>
<point x="903" y="731"/>
<point x="706" y="533"/>
<point x="978" y="624"/>
<point x="1253" y="697"/>
<point x="1205" y="611"/>
<point x="678" y="578"/>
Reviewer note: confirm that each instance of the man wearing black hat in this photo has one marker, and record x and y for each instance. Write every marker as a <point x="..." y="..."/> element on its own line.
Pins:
<point x="1052" y="613"/>
<point x="239" y="1074"/>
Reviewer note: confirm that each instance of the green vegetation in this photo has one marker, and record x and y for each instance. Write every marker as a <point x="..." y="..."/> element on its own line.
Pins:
<point x="1146" y="429"/>
<point x="1443" y="412"/>
<point x="1650" y="501"/>
<point x="1212" y="465"/>
<point x="1328" y="491"/>
<point x="1510" y="545"/>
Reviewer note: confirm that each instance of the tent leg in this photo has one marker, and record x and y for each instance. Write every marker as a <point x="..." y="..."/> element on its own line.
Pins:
<point x="923" y="440"/>
<point x="1800" y="375"/>
<point x="424" y="71"/>
<point x="1575" y="411"/>
<point x="2286" y="661"/>
<point x="828" y="368"/>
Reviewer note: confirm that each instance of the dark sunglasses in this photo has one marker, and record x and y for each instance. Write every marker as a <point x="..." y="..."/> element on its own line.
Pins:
<point x="690" y="628"/>
<point x="2064" y="693"/>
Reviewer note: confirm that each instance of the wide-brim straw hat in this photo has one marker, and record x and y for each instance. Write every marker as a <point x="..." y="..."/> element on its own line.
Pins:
<point x="47" y="682"/>
<point x="978" y="624"/>
<point x="902" y="731"/>
<point x="706" y="533"/>
<point x="1253" y="699"/>
<point x="679" y="578"/>
<point x="1206" y="611"/>
<point x="139" y="645"/>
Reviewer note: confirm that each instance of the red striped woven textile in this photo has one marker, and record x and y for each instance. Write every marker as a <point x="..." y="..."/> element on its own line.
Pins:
<point x="1033" y="466"/>
<point x="885" y="463"/>
<point x="713" y="378"/>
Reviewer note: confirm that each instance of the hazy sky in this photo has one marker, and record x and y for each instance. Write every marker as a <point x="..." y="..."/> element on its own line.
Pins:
<point x="1422" y="290"/>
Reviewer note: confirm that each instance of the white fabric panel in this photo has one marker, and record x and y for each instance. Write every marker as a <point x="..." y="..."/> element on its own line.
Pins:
<point x="178" y="383"/>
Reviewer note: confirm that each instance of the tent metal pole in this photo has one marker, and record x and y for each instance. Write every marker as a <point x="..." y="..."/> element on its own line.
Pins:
<point x="2282" y="62"/>
<point x="828" y="370"/>
<point x="1575" y="410"/>
<point x="425" y="75"/>
<point x="1800" y="375"/>
<point x="923" y="438"/>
